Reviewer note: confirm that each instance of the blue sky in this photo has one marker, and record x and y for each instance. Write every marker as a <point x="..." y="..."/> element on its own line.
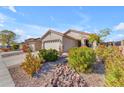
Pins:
<point x="34" y="21"/>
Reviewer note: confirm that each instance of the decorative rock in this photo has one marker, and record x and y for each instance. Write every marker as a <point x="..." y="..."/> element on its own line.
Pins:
<point x="60" y="76"/>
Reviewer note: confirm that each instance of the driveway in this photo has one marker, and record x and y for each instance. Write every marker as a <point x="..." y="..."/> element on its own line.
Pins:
<point x="12" y="59"/>
<point x="5" y="77"/>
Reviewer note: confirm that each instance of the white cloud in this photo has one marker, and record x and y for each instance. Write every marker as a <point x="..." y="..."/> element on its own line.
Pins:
<point x="1" y="25"/>
<point x="2" y="18"/>
<point x="120" y="35"/>
<point x="19" y="32"/>
<point x="11" y="8"/>
<point x="116" y="37"/>
<point x="119" y="27"/>
<point x="84" y="18"/>
<point x="29" y="36"/>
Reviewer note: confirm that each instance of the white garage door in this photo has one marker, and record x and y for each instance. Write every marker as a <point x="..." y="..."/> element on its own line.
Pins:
<point x="53" y="45"/>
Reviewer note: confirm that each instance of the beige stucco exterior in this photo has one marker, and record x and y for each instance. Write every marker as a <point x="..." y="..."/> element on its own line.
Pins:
<point x="60" y="41"/>
<point x="52" y="40"/>
<point x="34" y="44"/>
<point x="82" y="36"/>
<point x="76" y="35"/>
<point x="69" y="43"/>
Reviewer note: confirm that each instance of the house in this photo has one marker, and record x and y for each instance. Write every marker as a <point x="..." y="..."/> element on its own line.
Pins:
<point x="34" y="44"/>
<point x="64" y="41"/>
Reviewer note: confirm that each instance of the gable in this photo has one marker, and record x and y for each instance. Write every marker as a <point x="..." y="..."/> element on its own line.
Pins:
<point x="76" y="35"/>
<point x="51" y="36"/>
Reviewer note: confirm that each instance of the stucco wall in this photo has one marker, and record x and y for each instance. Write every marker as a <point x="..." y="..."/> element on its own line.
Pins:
<point x="76" y="35"/>
<point x="69" y="43"/>
<point x="51" y="36"/>
<point x="36" y="44"/>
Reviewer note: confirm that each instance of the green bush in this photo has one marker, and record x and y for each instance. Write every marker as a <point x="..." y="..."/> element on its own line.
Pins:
<point x="81" y="59"/>
<point x="48" y="55"/>
<point x="114" y="67"/>
<point x="15" y="47"/>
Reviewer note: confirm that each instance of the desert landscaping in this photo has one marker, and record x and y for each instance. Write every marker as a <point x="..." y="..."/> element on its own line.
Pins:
<point x="88" y="63"/>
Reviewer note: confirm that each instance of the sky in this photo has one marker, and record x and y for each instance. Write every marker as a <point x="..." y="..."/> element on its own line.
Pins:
<point x="34" y="21"/>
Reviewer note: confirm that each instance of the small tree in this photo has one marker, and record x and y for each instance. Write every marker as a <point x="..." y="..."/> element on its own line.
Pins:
<point x="100" y="36"/>
<point x="8" y="37"/>
<point x="94" y="37"/>
<point x="103" y="33"/>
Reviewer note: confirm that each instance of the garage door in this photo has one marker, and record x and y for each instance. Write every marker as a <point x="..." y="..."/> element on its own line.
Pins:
<point x="53" y="45"/>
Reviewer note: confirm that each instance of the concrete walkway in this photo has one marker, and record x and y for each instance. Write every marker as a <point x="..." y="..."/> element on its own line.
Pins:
<point x="13" y="60"/>
<point x="7" y="62"/>
<point x="5" y="77"/>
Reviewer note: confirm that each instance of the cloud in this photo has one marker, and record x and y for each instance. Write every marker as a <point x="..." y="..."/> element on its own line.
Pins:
<point x="11" y="8"/>
<point x="29" y="36"/>
<point x="120" y="35"/>
<point x="19" y="32"/>
<point x="119" y="27"/>
<point x="2" y="18"/>
<point x="115" y="37"/>
<point x="84" y="18"/>
<point x="1" y="25"/>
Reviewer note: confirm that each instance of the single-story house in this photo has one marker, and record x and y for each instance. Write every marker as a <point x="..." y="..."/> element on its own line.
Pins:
<point x="34" y="44"/>
<point x="64" y="41"/>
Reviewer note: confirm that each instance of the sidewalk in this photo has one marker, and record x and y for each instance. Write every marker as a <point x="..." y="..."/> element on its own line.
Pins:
<point x="5" y="77"/>
<point x="7" y="62"/>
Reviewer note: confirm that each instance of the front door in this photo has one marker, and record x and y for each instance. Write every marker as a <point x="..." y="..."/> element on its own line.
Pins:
<point x="87" y="43"/>
<point x="79" y="43"/>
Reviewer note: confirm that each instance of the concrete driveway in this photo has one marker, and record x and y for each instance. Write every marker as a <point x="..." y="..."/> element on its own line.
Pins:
<point x="8" y="60"/>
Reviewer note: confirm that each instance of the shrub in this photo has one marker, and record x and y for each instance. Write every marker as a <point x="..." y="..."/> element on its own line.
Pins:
<point x="31" y="64"/>
<point x="15" y="47"/>
<point x="81" y="59"/>
<point x="48" y="55"/>
<point x="26" y="48"/>
<point x="104" y="52"/>
<point x="100" y="51"/>
<point x="114" y="67"/>
<point x="5" y="49"/>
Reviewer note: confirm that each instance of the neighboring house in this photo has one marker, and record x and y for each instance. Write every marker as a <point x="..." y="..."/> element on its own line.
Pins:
<point x="64" y="41"/>
<point x="34" y="44"/>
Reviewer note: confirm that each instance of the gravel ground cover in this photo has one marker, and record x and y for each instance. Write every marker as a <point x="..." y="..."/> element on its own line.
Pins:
<point x="58" y="74"/>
